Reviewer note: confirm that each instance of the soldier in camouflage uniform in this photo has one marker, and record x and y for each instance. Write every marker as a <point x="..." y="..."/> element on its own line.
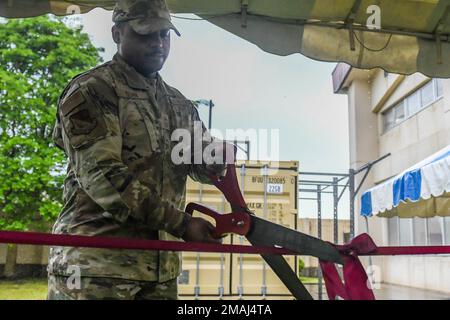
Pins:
<point x="114" y="122"/>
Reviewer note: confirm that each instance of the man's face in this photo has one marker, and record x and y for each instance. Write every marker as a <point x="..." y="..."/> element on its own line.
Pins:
<point x="146" y="53"/>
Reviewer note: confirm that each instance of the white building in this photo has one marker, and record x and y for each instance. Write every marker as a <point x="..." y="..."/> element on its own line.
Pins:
<point x="409" y="117"/>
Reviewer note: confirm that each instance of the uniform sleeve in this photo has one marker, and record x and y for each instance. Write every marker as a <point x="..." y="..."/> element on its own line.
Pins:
<point x="92" y="139"/>
<point x="201" y="172"/>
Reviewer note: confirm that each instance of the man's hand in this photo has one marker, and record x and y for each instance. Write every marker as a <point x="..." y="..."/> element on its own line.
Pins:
<point x="199" y="230"/>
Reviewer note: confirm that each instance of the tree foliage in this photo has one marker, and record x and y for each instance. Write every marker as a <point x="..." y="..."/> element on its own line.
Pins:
<point x="38" y="57"/>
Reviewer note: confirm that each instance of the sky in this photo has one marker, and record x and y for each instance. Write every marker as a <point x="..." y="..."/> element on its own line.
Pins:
<point x="252" y="89"/>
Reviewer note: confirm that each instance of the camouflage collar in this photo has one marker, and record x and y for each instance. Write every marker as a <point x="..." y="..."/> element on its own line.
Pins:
<point x="133" y="78"/>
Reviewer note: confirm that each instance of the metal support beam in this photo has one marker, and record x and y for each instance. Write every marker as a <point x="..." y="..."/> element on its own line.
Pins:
<point x="241" y="242"/>
<point x="312" y="191"/>
<point x="349" y="22"/>
<point x="309" y="173"/>
<point x="354" y="190"/>
<point x="319" y="234"/>
<point x="370" y="164"/>
<point x="335" y="210"/>
<point x="265" y="215"/>
<point x="351" y="188"/>
<point x="244" y="9"/>
<point x="318" y="182"/>
<point x="342" y="192"/>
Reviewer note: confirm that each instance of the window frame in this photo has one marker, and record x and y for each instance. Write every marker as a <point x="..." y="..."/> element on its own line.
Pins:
<point x="394" y="231"/>
<point x="405" y="103"/>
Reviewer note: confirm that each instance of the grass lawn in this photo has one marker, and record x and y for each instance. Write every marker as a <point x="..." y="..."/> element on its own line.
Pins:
<point x="309" y="280"/>
<point x="23" y="289"/>
<point x="36" y="289"/>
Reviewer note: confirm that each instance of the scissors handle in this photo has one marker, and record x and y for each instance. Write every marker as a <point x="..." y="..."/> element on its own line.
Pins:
<point x="230" y="187"/>
<point x="235" y="222"/>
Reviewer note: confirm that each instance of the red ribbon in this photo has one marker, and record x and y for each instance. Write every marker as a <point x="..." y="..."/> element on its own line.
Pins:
<point x="36" y="238"/>
<point x="355" y="285"/>
<point x="355" y="282"/>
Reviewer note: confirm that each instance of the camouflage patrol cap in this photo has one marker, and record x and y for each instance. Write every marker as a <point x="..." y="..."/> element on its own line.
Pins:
<point x="144" y="16"/>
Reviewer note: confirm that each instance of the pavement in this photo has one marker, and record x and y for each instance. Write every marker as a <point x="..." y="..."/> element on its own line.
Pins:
<point x="393" y="292"/>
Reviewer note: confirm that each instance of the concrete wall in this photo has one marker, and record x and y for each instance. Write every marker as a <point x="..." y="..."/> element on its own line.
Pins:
<point x="31" y="261"/>
<point x="417" y="137"/>
<point x="369" y="94"/>
<point x="425" y="272"/>
<point x="363" y="131"/>
<point x="27" y="254"/>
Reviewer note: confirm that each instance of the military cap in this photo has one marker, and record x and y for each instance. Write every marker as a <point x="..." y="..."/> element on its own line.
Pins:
<point x="144" y="16"/>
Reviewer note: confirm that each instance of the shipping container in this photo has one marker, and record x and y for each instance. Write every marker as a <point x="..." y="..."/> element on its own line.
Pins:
<point x="270" y="191"/>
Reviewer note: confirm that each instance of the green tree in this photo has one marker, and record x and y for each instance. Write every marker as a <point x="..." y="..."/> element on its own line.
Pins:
<point x="38" y="57"/>
<point x="301" y="266"/>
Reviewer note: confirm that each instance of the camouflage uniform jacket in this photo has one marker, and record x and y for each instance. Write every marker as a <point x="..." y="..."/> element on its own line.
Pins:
<point x="115" y="127"/>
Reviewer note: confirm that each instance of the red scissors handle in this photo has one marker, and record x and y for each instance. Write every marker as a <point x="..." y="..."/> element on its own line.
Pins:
<point x="235" y="222"/>
<point x="230" y="188"/>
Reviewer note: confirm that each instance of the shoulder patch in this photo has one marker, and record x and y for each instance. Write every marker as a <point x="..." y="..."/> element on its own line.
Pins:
<point x="72" y="102"/>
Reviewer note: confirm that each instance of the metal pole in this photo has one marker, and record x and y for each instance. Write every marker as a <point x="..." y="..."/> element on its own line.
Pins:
<point x="222" y="262"/>
<point x="369" y="165"/>
<point x="319" y="234"/>
<point x="264" y="286"/>
<point x="247" y="144"/>
<point x="370" y="276"/>
<point x="311" y="173"/>
<point x="351" y="188"/>
<point x="321" y="182"/>
<point x="241" y="241"/>
<point x="335" y="209"/>
<point x="210" y="114"/>
<point x="197" y="270"/>
<point x="197" y="278"/>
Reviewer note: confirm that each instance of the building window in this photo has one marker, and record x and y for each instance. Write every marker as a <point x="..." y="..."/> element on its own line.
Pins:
<point x="393" y="232"/>
<point x="405" y="232"/>
<point x="389" y="119"/>
<point x="412" y="104"/>
<point x="447" y="230"/>
<point x="399" y="113"/>
<point x="435" y="231"/>
<point x="419" y="231"/>
<point x="428" y="93"/>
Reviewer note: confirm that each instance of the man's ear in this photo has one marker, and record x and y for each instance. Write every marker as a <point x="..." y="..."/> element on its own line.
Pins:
<point x="115" y="31"/>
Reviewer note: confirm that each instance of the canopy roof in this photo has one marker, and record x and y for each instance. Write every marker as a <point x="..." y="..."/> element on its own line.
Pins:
<point x="414" y="34"/>
<point x="422" y="190"/>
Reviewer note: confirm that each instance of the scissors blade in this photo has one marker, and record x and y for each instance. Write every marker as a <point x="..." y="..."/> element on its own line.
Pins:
<point x="267" y="233"/>
<point x="285" y="273"/>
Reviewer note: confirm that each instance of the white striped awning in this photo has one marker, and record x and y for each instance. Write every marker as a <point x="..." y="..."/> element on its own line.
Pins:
<point x="422" y="190"/>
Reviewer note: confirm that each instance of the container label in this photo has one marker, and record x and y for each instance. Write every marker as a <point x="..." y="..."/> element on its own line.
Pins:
<point x="258" y="179"/>
<point x="275" y="188"/>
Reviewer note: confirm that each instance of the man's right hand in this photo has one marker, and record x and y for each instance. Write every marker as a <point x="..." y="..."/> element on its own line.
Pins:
<point x="199" y="230"/>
